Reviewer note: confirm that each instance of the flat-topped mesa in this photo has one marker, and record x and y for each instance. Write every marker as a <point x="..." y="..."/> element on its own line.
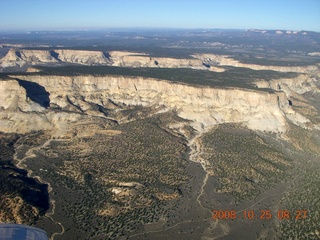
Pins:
<point x="83" y="57"/>
<point x="211" y="62"/>
<point x="12" y="55"/>
<point x="112" y="58"/>
<point x="203" y="106"/>
<point x="36" y="57"/>
<point x="22" y="57"/>
<point x="223" y="60"/>
<point x="155" y="62"/>
<point x="133" y="59"/>
<point x="12" y="59"/>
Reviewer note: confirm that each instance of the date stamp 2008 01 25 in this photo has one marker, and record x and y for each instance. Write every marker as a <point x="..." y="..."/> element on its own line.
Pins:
<point x="262" y="214"/>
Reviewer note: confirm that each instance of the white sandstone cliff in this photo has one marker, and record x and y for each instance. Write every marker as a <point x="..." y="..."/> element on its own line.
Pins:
<point x="22" y="57"/>
<point x="17" y="112"/>
<point x="292" y="87"/>
<point x="204" y="106"/>
<point x="299" y="85"/>
<point x="14" y="97"/>
<point x="210" y="62"/>
<point x="82" y="57"/>
<point x="155" y="62"/>
<point x="223" y="60"/>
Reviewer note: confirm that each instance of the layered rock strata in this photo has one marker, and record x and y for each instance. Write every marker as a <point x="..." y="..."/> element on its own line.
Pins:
<point x="212" y="62"/>
<point x="202" y="106"/>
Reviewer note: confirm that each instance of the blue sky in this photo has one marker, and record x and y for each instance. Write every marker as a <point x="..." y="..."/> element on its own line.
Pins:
<point x="86" y="14"/>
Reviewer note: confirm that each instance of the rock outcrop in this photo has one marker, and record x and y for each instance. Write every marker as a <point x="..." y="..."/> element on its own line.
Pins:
<point x="143" y="60"/>
<point x="14" y="97"/>
<point x="223" y="60"/>
<point x="32" y="57"/>
<point x="82" y="57"/>
<point x="18" y="113"/>
<point x="299" y="85"/>
<point x="295" y="88"/>
<point x="36" y="57"/>
<point x="202" y="106"/>
<point x="211" y="62"/>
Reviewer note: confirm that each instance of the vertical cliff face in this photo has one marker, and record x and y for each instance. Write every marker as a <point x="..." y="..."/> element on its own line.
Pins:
<point x="146" y="61"/>
<point x="12" y="55"/>
<point x="295" y="89"/>
<point x="82" y="57"/>
<point x="14" y="97"/>
<point x="19" y="113"/>
<point x="210" y="62"/>
<point x="12" y="59"/>
<point x="22" y="57"/>
<point x="223" y="60"/>
<point x="37" y="56"/>
<point x="203" y="106"/>
<point x="299" y="85"/>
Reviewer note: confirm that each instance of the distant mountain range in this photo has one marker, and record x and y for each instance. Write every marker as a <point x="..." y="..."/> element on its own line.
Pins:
<point x="288" y="32"/>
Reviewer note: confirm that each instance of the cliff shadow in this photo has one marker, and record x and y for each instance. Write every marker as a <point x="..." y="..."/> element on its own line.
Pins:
<point x="36" y="92"/>
<point x="107" y="55"/>
<point x="55" y="55"/>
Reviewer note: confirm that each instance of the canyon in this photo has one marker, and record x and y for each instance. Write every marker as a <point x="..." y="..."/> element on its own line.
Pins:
<point x="203" y="106"/>
<point x="131" y="155"/>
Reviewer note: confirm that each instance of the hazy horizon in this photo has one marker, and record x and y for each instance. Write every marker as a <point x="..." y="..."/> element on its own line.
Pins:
<point x="143" y="29"/>
<point x="35" y="15"/>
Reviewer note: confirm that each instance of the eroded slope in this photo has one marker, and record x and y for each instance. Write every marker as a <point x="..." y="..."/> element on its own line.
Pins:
<point x="114" y="152"/>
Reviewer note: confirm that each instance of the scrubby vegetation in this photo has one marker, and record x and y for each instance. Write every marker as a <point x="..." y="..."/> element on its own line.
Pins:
<point x="244" y="164"/>
<point x="109" y="179"/>
<point x="232" y="77"/>
<point x="304" y="193"/>
<point x="303" y="196"/>
<point x="22" y="199"/>
<point x="109" y="184"/>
